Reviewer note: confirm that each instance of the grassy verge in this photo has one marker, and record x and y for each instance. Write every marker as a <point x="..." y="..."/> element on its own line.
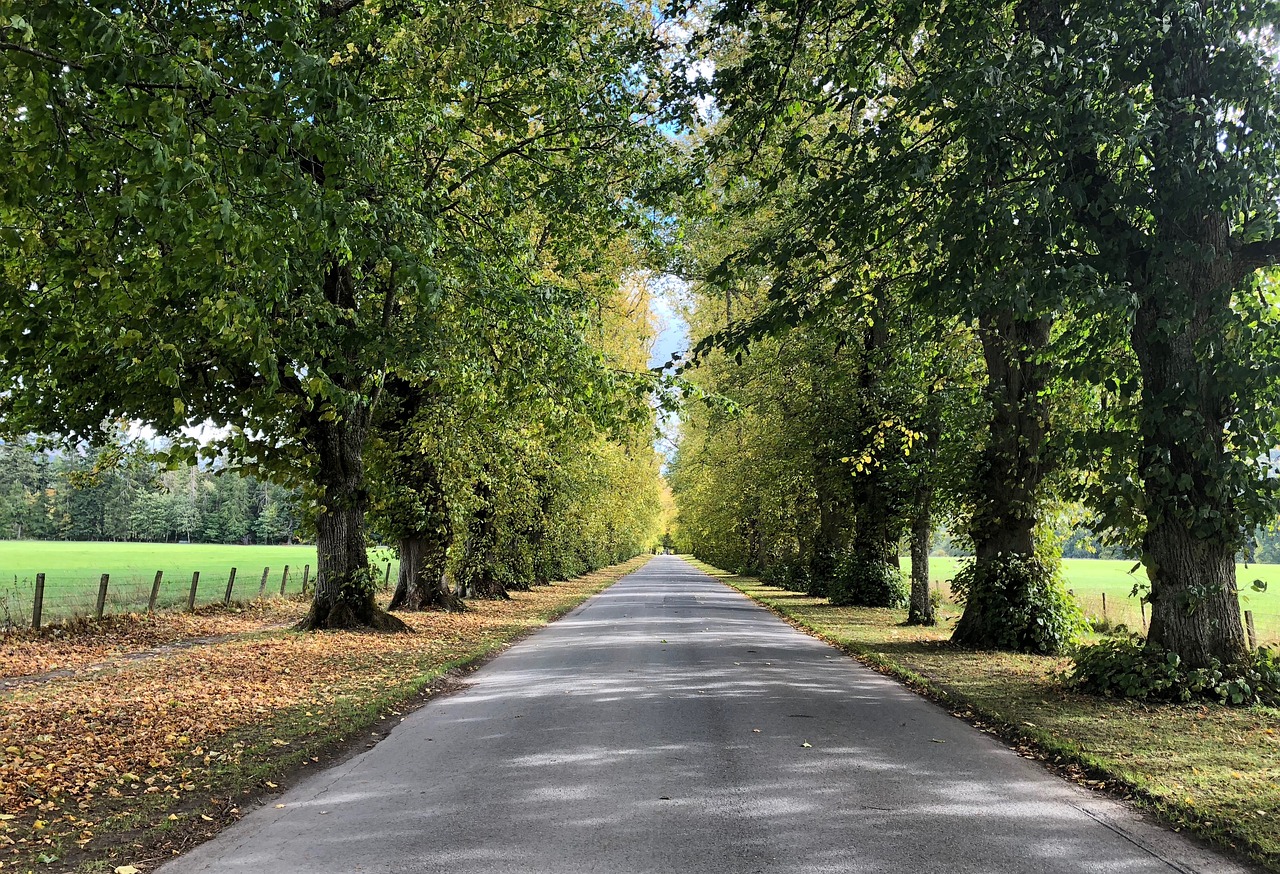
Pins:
<point x="131" y="764"/>
<point x="1210" y="770"/>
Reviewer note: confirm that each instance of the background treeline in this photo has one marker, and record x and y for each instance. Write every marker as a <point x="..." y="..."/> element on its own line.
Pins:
<point x="74" y="495"/>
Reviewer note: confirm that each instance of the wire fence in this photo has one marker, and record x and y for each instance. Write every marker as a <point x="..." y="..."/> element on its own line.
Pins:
<point x="1115" y="611"/>
<point x="37" y="600"/>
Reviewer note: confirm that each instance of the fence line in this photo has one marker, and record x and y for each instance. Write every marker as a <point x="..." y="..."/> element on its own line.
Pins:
<point x="141" y="595"/>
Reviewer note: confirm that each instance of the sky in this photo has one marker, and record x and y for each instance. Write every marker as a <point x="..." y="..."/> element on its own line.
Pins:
<point x="673" y="331"/>
<point x="673" y="336"/>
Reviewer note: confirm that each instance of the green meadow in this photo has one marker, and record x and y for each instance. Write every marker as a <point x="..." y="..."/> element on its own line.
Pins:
<point x="73" y="570"/>
<point x="1090" y="578"/>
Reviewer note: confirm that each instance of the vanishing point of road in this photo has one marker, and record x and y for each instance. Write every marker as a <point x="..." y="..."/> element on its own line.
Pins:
<point x="671" y="725"/>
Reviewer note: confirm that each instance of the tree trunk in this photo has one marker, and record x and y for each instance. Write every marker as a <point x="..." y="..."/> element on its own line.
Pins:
<point x="344" y="582"/>
<point x="1009" y="475"/>
<point x="423" y="583"/>
<point x="1192" y="529"/>
<point x="921" y="610"/>
<point x="1184" y="288"/>
<point x="827" y="545"/>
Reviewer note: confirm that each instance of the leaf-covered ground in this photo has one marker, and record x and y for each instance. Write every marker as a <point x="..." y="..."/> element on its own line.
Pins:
<point x="1209" y="769"/>
<point x="127" y="764"/>
<point x="85" y="642"/>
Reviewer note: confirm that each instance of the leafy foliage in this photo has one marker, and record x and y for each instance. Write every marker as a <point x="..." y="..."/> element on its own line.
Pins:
<point x="866" y="582"/>
<point x="1130" y="668"/>
<point x="1021" y="602"/>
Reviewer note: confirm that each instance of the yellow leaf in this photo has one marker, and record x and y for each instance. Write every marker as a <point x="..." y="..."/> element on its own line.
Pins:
<point x="127" y="869"/>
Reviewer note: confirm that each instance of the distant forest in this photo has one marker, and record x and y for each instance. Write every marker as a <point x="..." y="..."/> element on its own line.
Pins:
<point x="118" y="492"/>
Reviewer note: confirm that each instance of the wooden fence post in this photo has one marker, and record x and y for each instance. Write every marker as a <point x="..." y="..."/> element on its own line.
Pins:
<point x="1104" y="607"/>
<point x="386" y="580"/>
<point x="262" y="586"/>
<point x="102" y="596"/>
<point x="155" y="592"/>
<point x="191" y="598"/>
<point x="306" y="575"/>
<point x="1248" y="627"/>
<point x="1142" y="608"/>
<point x="231" y="582"/>
<point x="284" y="580"/>
<point x="38" y="607"/>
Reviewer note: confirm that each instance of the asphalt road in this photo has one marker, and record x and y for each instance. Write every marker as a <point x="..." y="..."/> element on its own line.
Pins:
<point x="670" y="725"/>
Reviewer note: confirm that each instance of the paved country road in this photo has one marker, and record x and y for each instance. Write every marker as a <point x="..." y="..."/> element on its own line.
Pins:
<point x="662" y="727"/>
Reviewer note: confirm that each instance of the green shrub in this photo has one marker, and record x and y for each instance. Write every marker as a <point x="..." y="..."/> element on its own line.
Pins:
<point x="1016" y="602"/>
<point x="861" y="581"/>
<point x="1128" y="668"/>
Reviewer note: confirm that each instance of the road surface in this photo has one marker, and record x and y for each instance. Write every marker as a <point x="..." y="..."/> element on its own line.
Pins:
<point x="671" y="725"/>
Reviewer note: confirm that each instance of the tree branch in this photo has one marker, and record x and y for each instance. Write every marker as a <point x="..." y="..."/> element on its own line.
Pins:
<point x="1263" y="253"/>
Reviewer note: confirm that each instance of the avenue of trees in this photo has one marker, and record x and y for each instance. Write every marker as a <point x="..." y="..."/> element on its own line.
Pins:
<point x="980" y="260"/>
<point x="377" y="247"/>
<point x="973" y="262"/>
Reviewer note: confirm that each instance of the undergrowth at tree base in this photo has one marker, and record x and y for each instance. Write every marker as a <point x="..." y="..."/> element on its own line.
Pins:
<point x="1131" y="668"/>
<point x="1018" y="603"/>
<point x="866" y="581"/>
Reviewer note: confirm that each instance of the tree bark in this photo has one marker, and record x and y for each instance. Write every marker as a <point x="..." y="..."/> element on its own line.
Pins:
<point x="423" y="583"/>
<point x="344" y="581"/>
<point x="920" y="611"/>
<point x="1192" y="532"/>
<point x="1009" y="475"/>
<point x="1184" y="290"/>
<point x="424" y="554"/>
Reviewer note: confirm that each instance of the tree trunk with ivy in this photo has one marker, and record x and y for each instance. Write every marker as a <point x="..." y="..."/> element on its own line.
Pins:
<point x="1007" y="485"/>
<point x="480" y="560"/>
<point x="1193" y="526"/>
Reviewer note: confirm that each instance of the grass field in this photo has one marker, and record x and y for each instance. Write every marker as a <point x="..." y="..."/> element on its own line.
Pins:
<point x="72" y="571"/>
<point x="1089" y="578"/>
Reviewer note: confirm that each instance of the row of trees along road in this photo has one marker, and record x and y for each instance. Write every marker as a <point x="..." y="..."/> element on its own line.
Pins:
<point x="982" y="257"/>
<point x="376" y="245"/>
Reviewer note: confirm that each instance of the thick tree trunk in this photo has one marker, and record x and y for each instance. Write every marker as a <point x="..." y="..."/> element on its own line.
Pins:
<point x="1010" y="473"/>
<point x="344" y="582"/>
<point x="423" y="583"/>
<point x="1193" y="527"/>
<point x="920" y="611"/>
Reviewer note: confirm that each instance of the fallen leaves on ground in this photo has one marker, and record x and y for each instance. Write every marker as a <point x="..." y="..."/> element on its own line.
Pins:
<point x="153" y="735"/>
<point x="87" y="642"/>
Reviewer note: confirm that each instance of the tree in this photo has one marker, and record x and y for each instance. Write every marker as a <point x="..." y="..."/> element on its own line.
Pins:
<point x="232" y="215"/>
